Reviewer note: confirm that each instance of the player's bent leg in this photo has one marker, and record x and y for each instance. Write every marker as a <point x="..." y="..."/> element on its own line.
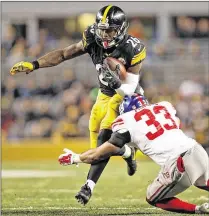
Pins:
<point x="112" y="113"/>
<point x="98" y="112"/>
<point x="161" y="193"/>
<point x="97" y="169"/>
<point x="84" y="195"/>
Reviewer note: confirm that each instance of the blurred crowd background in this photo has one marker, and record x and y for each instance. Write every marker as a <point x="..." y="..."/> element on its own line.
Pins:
<point x="56" y="102"/>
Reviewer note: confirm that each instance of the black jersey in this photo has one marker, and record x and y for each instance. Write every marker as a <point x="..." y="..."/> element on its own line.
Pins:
<point x="131" y="50"/>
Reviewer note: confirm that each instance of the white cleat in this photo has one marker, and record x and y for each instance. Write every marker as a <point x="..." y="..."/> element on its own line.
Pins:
<point x="203" y="209"/>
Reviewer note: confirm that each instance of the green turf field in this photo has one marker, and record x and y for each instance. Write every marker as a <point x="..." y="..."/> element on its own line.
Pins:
<point x="115" y="194"/>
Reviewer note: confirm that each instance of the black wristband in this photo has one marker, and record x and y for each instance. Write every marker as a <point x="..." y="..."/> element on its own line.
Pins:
<point x="35" y="64"/>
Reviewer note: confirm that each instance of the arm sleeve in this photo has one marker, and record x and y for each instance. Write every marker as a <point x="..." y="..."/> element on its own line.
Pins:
<point x="120" y="138"/>
<point x="121" y="134"/>
<point x="129" y="87"/>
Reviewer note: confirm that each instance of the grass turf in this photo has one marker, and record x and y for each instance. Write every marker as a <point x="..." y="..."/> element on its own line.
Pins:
<point x="115" y="194"/>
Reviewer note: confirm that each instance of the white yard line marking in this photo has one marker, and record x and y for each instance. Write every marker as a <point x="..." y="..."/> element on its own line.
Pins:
<point x="40" y="190"/>
<point x="35" y="173"/>
<point x="204" y="198"/>
<point x="80" y="208"/>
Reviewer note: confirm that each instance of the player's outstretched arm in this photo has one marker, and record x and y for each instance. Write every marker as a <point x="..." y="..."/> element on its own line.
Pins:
<point x="91" y="156"/>
<point x="100" y="153"/>
<point x="51" y="59"/>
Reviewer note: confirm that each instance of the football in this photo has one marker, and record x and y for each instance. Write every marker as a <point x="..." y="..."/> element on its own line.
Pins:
<point x="112" y="63"/>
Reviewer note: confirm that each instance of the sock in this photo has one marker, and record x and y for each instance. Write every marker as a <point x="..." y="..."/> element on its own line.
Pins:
<point x="91" y="184"/>
<point x="197" y="209"/>
<point x="174" y="204"/>
<point x="97" y="169"/>
<point x="77" y="159"/>
<point x="120" y="152"/>
<point x="127" y="152"/>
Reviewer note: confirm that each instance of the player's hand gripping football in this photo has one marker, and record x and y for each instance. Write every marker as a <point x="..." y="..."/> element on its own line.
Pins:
<point x="22" y="66"/>
<point x="67" y="158"/>
<point x="112" y="77"/>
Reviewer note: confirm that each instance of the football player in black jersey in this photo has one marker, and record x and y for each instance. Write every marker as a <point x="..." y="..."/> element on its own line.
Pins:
<point x="106" y="37"/>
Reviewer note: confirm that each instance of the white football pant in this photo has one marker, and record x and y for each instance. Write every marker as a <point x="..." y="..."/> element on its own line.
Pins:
<point x="174" y="179"/>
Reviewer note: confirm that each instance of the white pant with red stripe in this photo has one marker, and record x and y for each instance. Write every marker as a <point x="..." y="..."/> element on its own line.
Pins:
<point x="179" y="173"/>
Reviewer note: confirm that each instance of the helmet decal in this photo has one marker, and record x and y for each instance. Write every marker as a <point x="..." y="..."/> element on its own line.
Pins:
<point x="136" y="101"/>
<point x="104" y="17"/>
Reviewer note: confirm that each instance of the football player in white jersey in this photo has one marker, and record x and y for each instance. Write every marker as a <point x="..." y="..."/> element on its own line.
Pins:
<point x="154" y="129"/>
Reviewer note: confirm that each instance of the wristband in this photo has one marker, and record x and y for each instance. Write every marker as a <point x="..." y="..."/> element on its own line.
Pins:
<point x="76" y="159"/>
<point x="35" y="64"/>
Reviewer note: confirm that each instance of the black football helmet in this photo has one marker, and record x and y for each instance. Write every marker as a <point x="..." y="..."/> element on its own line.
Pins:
<point x="110" y="18"/>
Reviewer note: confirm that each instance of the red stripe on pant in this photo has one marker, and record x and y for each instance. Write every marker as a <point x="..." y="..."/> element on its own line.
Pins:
<point x="157" y="192"/>
<point x="174" y="204"/>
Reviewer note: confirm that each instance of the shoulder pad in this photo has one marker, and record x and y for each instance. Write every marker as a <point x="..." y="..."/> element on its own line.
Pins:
<point x="88" y="36"/>
<point x="118" y="124"/>
<point x="168" y="105"/>
<point x="138" y="50"/>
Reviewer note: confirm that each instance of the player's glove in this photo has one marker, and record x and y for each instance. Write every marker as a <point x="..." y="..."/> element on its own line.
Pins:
<point x="22" y="66"/>
<point x="112" y="77"/>
<point x="67" y="158"/>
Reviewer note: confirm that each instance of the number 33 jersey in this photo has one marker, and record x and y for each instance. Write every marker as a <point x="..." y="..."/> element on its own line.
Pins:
<point x="154" y="129"/>
<point x="130" y="50"/>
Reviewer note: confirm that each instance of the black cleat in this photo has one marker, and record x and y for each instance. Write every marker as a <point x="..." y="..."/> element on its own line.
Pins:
<point x="84" y="195"/>
<point x="131" y="162"/>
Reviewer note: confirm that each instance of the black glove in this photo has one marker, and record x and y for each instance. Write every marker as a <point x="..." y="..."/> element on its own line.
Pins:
<point x="112" y="77"/>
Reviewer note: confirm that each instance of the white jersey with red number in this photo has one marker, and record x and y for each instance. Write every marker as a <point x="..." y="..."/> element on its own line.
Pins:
<point x="155" y="131"/>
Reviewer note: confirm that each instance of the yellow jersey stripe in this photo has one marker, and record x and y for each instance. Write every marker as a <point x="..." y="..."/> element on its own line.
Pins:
<point x="139" y="53"/>
<point x="139" y="57"/>
<point x="105" y="13"/>
<point x="84" y="36"/>
<point x="84" y="39"/>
